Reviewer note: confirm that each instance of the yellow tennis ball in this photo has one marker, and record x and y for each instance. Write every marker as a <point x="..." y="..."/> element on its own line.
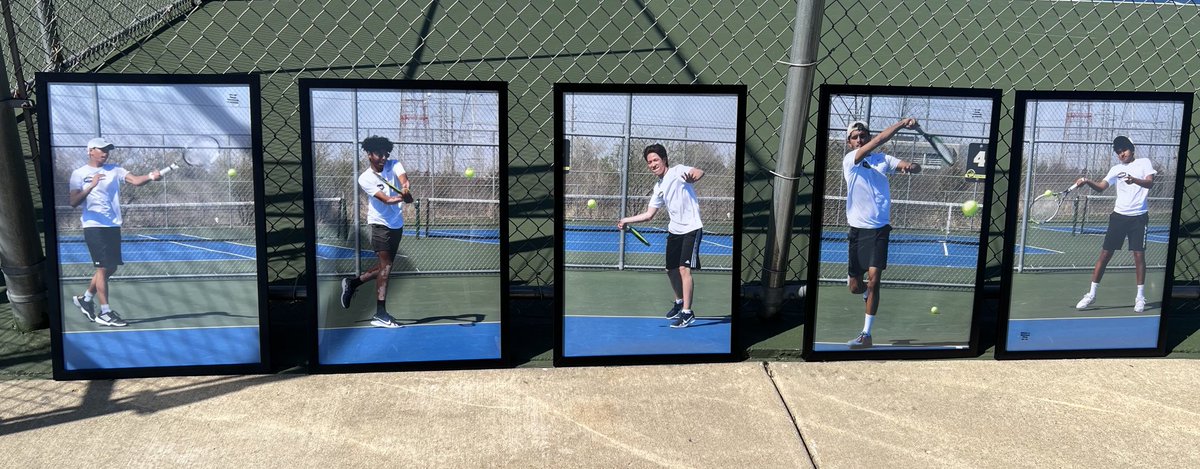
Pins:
<point x="469" y="173"/>
<point x="970" y="207"/>
<point x="933" y="310"/>
<point x="592" y="203"/>
<point x="231" y="173"/>
<point x="1049" y="193"/>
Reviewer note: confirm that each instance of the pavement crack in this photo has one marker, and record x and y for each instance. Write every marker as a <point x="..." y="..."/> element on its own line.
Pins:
<point x="786" y="408"/>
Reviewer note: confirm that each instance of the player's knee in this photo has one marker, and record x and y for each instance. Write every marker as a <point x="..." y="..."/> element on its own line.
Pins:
<point x="108" y="271"/>
<point x="685" y="271"/>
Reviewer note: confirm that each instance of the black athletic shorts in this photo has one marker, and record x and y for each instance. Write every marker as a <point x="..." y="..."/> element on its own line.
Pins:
<point x="104" y="244"/>
<point x="868" y="248"/>
<point x="1126" y="226"/>
<point x="683" y="250"/>
<point x="386" y="239"/>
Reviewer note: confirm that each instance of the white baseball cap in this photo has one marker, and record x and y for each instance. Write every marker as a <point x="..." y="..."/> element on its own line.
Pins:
<point x="856" y="125"/>
<point x="99" y="142"/>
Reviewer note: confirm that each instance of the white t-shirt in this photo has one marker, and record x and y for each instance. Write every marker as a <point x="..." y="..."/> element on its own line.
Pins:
<point x="379" y="213"/>
<point x="1131" y="198"/>
<point x="680" y="199"/>
<point x="868" y="193"/>
<point x="102" y="207"/>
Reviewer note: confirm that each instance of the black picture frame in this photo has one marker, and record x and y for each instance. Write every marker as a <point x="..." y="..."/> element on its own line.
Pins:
<point x="1070" y="324"/>
<point x="906" y="348"/>
<point x="347" y="362"/>
<point x="644" y="352"/>
<point x="199" y="342"/>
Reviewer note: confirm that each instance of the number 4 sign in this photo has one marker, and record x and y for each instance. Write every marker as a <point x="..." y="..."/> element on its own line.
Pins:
<point x="977" y="162"/>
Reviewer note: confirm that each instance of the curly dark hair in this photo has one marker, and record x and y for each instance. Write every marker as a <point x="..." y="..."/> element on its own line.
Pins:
<point x="377" y="145"/>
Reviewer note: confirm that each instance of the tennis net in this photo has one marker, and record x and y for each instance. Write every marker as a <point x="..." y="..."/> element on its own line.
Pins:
<point x="592" y="239"/>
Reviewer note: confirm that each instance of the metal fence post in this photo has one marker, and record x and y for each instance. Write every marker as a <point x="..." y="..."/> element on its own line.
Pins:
<point x="20" y="248"/>
<point x="805" y="40"/>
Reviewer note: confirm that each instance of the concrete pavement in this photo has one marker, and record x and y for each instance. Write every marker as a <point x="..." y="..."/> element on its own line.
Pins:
<point x="965" y="413"/>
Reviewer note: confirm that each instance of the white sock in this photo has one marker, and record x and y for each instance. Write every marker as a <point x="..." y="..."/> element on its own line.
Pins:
<point x="87" y="296"/>
<point x="1094" y="287"/>
<point x="1141" y="290"/>
<point x="687" y="311"/>
<point x="867" y="323"/>
<point x="104" y="309"/>
<point x="678" y="302"/>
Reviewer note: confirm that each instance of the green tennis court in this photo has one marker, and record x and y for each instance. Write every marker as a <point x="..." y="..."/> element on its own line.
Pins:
<point x="445" y="299"/>
<point x="1054" y="294"/>
<point x="903" y="319"/>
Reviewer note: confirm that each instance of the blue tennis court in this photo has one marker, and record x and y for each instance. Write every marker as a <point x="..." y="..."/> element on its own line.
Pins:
<point x="638" y="335"/>
<point x="1083" y="333"/>
<point x="415" y="343"/>
<point x="161" y="248"/>
<point x="109" y="349"/>
<point x="591" y="239"/>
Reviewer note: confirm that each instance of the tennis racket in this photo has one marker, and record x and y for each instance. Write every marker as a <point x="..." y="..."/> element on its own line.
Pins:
<point x="637" y="235"/>
<point x="1046" y="206"/>
<point x="943" y="150"/>
<point x="200" y="152"/>
<point x="405" y="195"/>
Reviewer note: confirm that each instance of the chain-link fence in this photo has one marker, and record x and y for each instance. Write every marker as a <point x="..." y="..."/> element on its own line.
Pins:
<point x="1127" y="46"/>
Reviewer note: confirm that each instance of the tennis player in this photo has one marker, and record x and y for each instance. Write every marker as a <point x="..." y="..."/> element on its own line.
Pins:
<point x="868" y="212"/>
<point x="385" y="216"/>
<point x="97" y="185"/>
<point x="674" y="191"/>
<point x="1129" y="217"/>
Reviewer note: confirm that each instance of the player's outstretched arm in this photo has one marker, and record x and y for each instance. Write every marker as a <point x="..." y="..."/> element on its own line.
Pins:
<point x="1148" y="182"/>
<point x="883" y="137"/>
<point x="641" y="217"/>
<point x="1096" y="186"/>
<point x="135" y="180"/>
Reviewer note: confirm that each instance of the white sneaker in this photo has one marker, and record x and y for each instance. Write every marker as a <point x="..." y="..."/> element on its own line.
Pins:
<point x="1139" y="304"/>
<point x="1086" y="301"/>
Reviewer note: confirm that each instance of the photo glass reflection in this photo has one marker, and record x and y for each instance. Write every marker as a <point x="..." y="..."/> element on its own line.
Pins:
<point x="904" y="197"/>
<point x="649" y="218"/>
<point x="407" y="203"/>
<point x="153" y="192"/>
<point x="1095" y="194"/>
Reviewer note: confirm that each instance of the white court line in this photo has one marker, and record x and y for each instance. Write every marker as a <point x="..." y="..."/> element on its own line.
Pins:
<point x="197" y="247"/>
<point x="109" y="329"/>
<point x="1042" y="248"/>
<point x="409" y="325"/>
<point x="1090" y="317"/>
<point x="958" y="347"/>
<point x="660" y="318"/>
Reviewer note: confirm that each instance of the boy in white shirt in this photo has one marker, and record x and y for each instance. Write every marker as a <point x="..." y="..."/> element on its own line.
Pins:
<point x="674" y="191"/>
<point x="868" y="212"/>
<point x="1133" y="178"/>
<point x="98" y="183"/>
<point x="385" y="216"/>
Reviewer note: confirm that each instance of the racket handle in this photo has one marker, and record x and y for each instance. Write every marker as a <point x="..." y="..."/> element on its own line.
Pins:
<point x="164" y="171"/>
<point x="1071" y="188"/>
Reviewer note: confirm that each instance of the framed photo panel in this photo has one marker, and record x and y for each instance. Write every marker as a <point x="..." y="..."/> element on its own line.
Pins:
<point x="648" y="222"/>
<point x="1094" y="207"/>
<point x="901" y="190"/>
<point x="406" y="202"/>
<point x="153" y="197"/>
